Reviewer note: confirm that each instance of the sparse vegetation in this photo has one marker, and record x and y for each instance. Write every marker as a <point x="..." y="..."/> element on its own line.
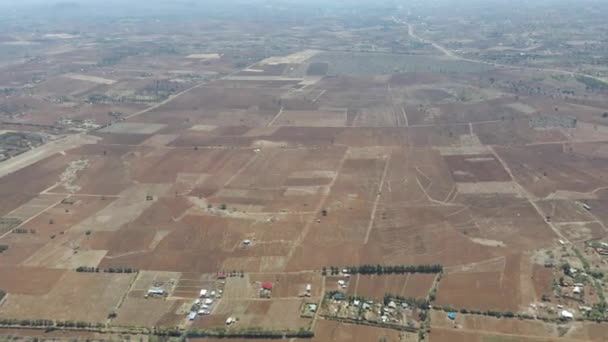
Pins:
<point x="437" y="157"/>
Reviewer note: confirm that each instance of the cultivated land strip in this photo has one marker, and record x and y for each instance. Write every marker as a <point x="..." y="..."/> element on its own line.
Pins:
<point x="506" y="336"/>
<point x="31" y="218"/>
<point x="318" y="208"/>
<point x="376" y="201"/>
<point x="276" y="117"/>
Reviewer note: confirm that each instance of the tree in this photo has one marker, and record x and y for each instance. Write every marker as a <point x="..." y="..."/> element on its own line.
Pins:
<point x="566" y="268"/>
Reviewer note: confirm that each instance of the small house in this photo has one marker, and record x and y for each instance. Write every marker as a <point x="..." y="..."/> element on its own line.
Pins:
<point x="203" y="293"/>
<point x="267" y="286"/>
<point x="452" y="315"/>
<point x="566" y="314"/>
<point x="338" y="296"/>
<point x="192" y="315"/>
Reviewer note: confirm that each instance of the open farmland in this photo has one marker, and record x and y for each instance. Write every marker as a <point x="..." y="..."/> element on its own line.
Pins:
<point x="84" y="297"/>
<point x="296" y="170"/>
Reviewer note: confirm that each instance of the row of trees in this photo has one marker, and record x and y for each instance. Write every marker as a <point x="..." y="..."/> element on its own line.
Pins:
<point x="596" y="314"/>
<point x="491" y="313"/>
<point x="49" y="323"/>
<point x="251" y="333"/>
<point x="89" y="269"/>
<point x="23" y="231"/>
<point x="386" y="269"/>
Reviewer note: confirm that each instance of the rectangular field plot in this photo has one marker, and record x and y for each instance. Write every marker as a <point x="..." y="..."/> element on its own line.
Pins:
<point x="476" y="168"/>
<point x="141" y="312"/>
<point x="133" y="128"/>
<point x="507" y="288"/>
<point x="34" y="207"/>
<point x="279" y="314"/>
<point x="318" y="118"/>
<point x="545" y="169"/>
<point x="327" y="330"/>
<point x="86" y="297"/>
<point x="28" y="280"/>
<point x="405" y="285"/>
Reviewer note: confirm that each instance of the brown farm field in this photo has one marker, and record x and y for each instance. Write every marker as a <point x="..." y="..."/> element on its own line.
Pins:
<point x="76" y="296"/>
<point x="375" y="287"/>
<point x="217" y="166"/>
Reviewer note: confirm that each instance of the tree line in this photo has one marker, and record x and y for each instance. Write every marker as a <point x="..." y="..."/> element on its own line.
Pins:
<point x="251" y="333"/>
<point x="90" y="269"/>
<point x="385" y="269"/>
<point x="49" y="323"/>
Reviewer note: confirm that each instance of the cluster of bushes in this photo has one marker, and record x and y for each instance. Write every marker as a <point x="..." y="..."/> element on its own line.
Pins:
<point x="592" y="83"/>
<point x="420" y="303"/>
<point x="598" y="311"/>
<point x="332" y="293"/>
<point x="87" y="269"/>
<point x="394" y="269"/>
<point x="22" y="231"/>
<point x="371" y="323"/>
<point x="251" y="333"/>
<point x="596" y="274"/>
<point x="99" y="98"/>
<point x="3" y="248"/>
<point x="170" y="332"/>
<point x="2" y="294"/>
